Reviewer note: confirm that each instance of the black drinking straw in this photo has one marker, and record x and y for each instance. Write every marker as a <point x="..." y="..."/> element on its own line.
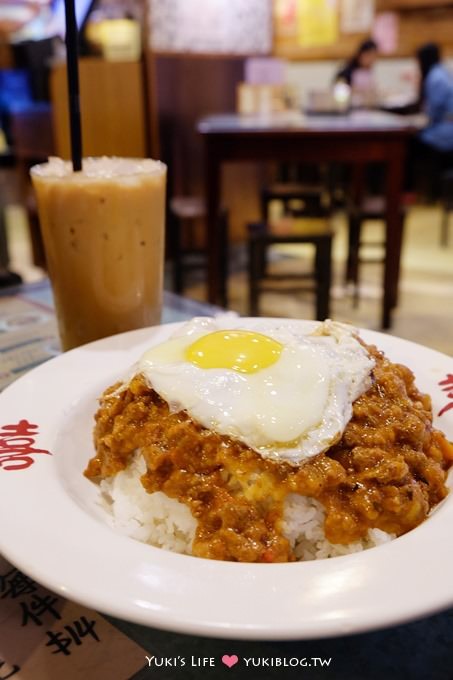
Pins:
<point x="72" y="49"/>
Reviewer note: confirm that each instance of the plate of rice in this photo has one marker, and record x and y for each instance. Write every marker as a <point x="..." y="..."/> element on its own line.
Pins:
<point x="237" y="478"/>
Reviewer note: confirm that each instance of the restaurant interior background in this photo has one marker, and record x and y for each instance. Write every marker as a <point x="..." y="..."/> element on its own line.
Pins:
<point x="151" y="70"/>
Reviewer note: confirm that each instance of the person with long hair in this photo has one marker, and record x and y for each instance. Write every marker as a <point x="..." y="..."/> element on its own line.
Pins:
<point x="430" y="152"/>
<point x="436" y="98"/>
<point x="357" y="72"/>
<point x="362" y="60"/>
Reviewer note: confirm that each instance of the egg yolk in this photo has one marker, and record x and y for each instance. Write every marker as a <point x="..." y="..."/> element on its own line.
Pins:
<point x="242" y="351"/>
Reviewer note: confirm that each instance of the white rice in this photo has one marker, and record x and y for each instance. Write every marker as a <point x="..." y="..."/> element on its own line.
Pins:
<point x="303" y="526"/>
<point x="153" y="518"/>
<point x="164" y="522"/>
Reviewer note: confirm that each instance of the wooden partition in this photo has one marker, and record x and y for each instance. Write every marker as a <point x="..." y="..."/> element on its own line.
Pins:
<point x="185" y="88"/>
<point x="112" y="108"/>
<point x="6" y="57"/>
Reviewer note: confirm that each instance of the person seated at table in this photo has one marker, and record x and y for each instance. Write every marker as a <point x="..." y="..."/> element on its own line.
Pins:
<point x="358" y="73"/>
<point x="430" y="152"/>
<point x="436" y="96"/>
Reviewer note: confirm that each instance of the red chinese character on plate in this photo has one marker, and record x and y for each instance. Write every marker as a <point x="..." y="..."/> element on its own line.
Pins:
<point x="17" y="445"/>
<point x="447" y="386"/>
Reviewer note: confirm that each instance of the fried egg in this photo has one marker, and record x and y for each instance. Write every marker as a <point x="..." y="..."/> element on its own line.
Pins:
<point x="284" y="393"/>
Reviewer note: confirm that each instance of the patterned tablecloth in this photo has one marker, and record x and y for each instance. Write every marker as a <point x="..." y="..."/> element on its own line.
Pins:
<point x="44" y="637"/>
<point x="28" y="328"/>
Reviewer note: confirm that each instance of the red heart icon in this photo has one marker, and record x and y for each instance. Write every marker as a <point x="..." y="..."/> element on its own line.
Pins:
<point x="230" y="660"/>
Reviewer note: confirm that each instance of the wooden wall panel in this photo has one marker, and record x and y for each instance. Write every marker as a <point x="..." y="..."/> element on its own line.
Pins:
<point x="112" y="99"/>
<point x="186" y="88"/>
<point x="389" y="5"/>
<point x="418" y="27"/>
<point x="6" y="57"/>
<point x="420" y="21"/>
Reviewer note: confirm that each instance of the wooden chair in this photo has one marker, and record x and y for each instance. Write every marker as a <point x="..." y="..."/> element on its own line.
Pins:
<point x="296" y="198"/>
<point x="315" y="230"/>
<point x="370" y="208"/>
<point x="298" y="187"/>
<point x="185" y="212"/>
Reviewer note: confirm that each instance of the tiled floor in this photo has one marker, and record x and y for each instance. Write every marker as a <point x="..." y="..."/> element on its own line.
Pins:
<point x="425" y="311"/>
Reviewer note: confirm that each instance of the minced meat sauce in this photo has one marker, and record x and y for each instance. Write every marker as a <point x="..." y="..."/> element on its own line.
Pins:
<point x="387" y="471"/>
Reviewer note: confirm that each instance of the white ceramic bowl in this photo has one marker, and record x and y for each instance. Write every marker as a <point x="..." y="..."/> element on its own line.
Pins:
<point x="53" y="528"/>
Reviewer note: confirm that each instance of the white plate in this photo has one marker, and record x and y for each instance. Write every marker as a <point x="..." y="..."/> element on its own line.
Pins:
<point x="53" y="529"/>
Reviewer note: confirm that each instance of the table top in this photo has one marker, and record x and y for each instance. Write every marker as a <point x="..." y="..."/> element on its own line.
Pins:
<point x="28" y="328"/>
<point x="420" y="650"/>
<point x="295" y="122"/>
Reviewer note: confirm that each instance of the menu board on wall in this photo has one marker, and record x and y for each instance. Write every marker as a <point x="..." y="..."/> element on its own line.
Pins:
<point x="211" y="26"/>
<point x="357" y="15"/>
<point x="397" y="25"/>
<point x="285" y="15"/>
<point x="317" y="22"/>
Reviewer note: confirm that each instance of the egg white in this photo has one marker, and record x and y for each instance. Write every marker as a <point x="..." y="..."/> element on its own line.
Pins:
<point x="290" y="411"/>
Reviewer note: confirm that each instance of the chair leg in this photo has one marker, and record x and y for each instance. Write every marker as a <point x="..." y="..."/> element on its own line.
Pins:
<point x="262" y="261"/>
<point x="353" y="261"/>
<point x="400" y="246"/>
<point x="255" y="255"/>
<point x="356" y="281"/>
<point x="264" y="205"/>
<point x="323" y="268"/>
<point x="4" y="254"/>
<point x="256" y="229"/>
<point x="224" y="259"/>
<point x="444" y="226"/>
<point x="355" y="228"/>
<point x="175" y="231"/>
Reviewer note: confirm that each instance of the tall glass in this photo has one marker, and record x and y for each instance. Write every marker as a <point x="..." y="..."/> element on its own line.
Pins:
<point x="103" y="232"/>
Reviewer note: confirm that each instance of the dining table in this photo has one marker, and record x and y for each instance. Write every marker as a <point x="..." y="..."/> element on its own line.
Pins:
<point x="356" y="139"/>
<point x="44" y="637"/>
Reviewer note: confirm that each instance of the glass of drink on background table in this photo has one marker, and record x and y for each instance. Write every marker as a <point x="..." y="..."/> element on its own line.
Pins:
<point x="103" y="233"/>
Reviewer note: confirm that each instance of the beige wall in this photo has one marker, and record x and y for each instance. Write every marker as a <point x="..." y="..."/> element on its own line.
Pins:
<point x="392" y="75"/>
